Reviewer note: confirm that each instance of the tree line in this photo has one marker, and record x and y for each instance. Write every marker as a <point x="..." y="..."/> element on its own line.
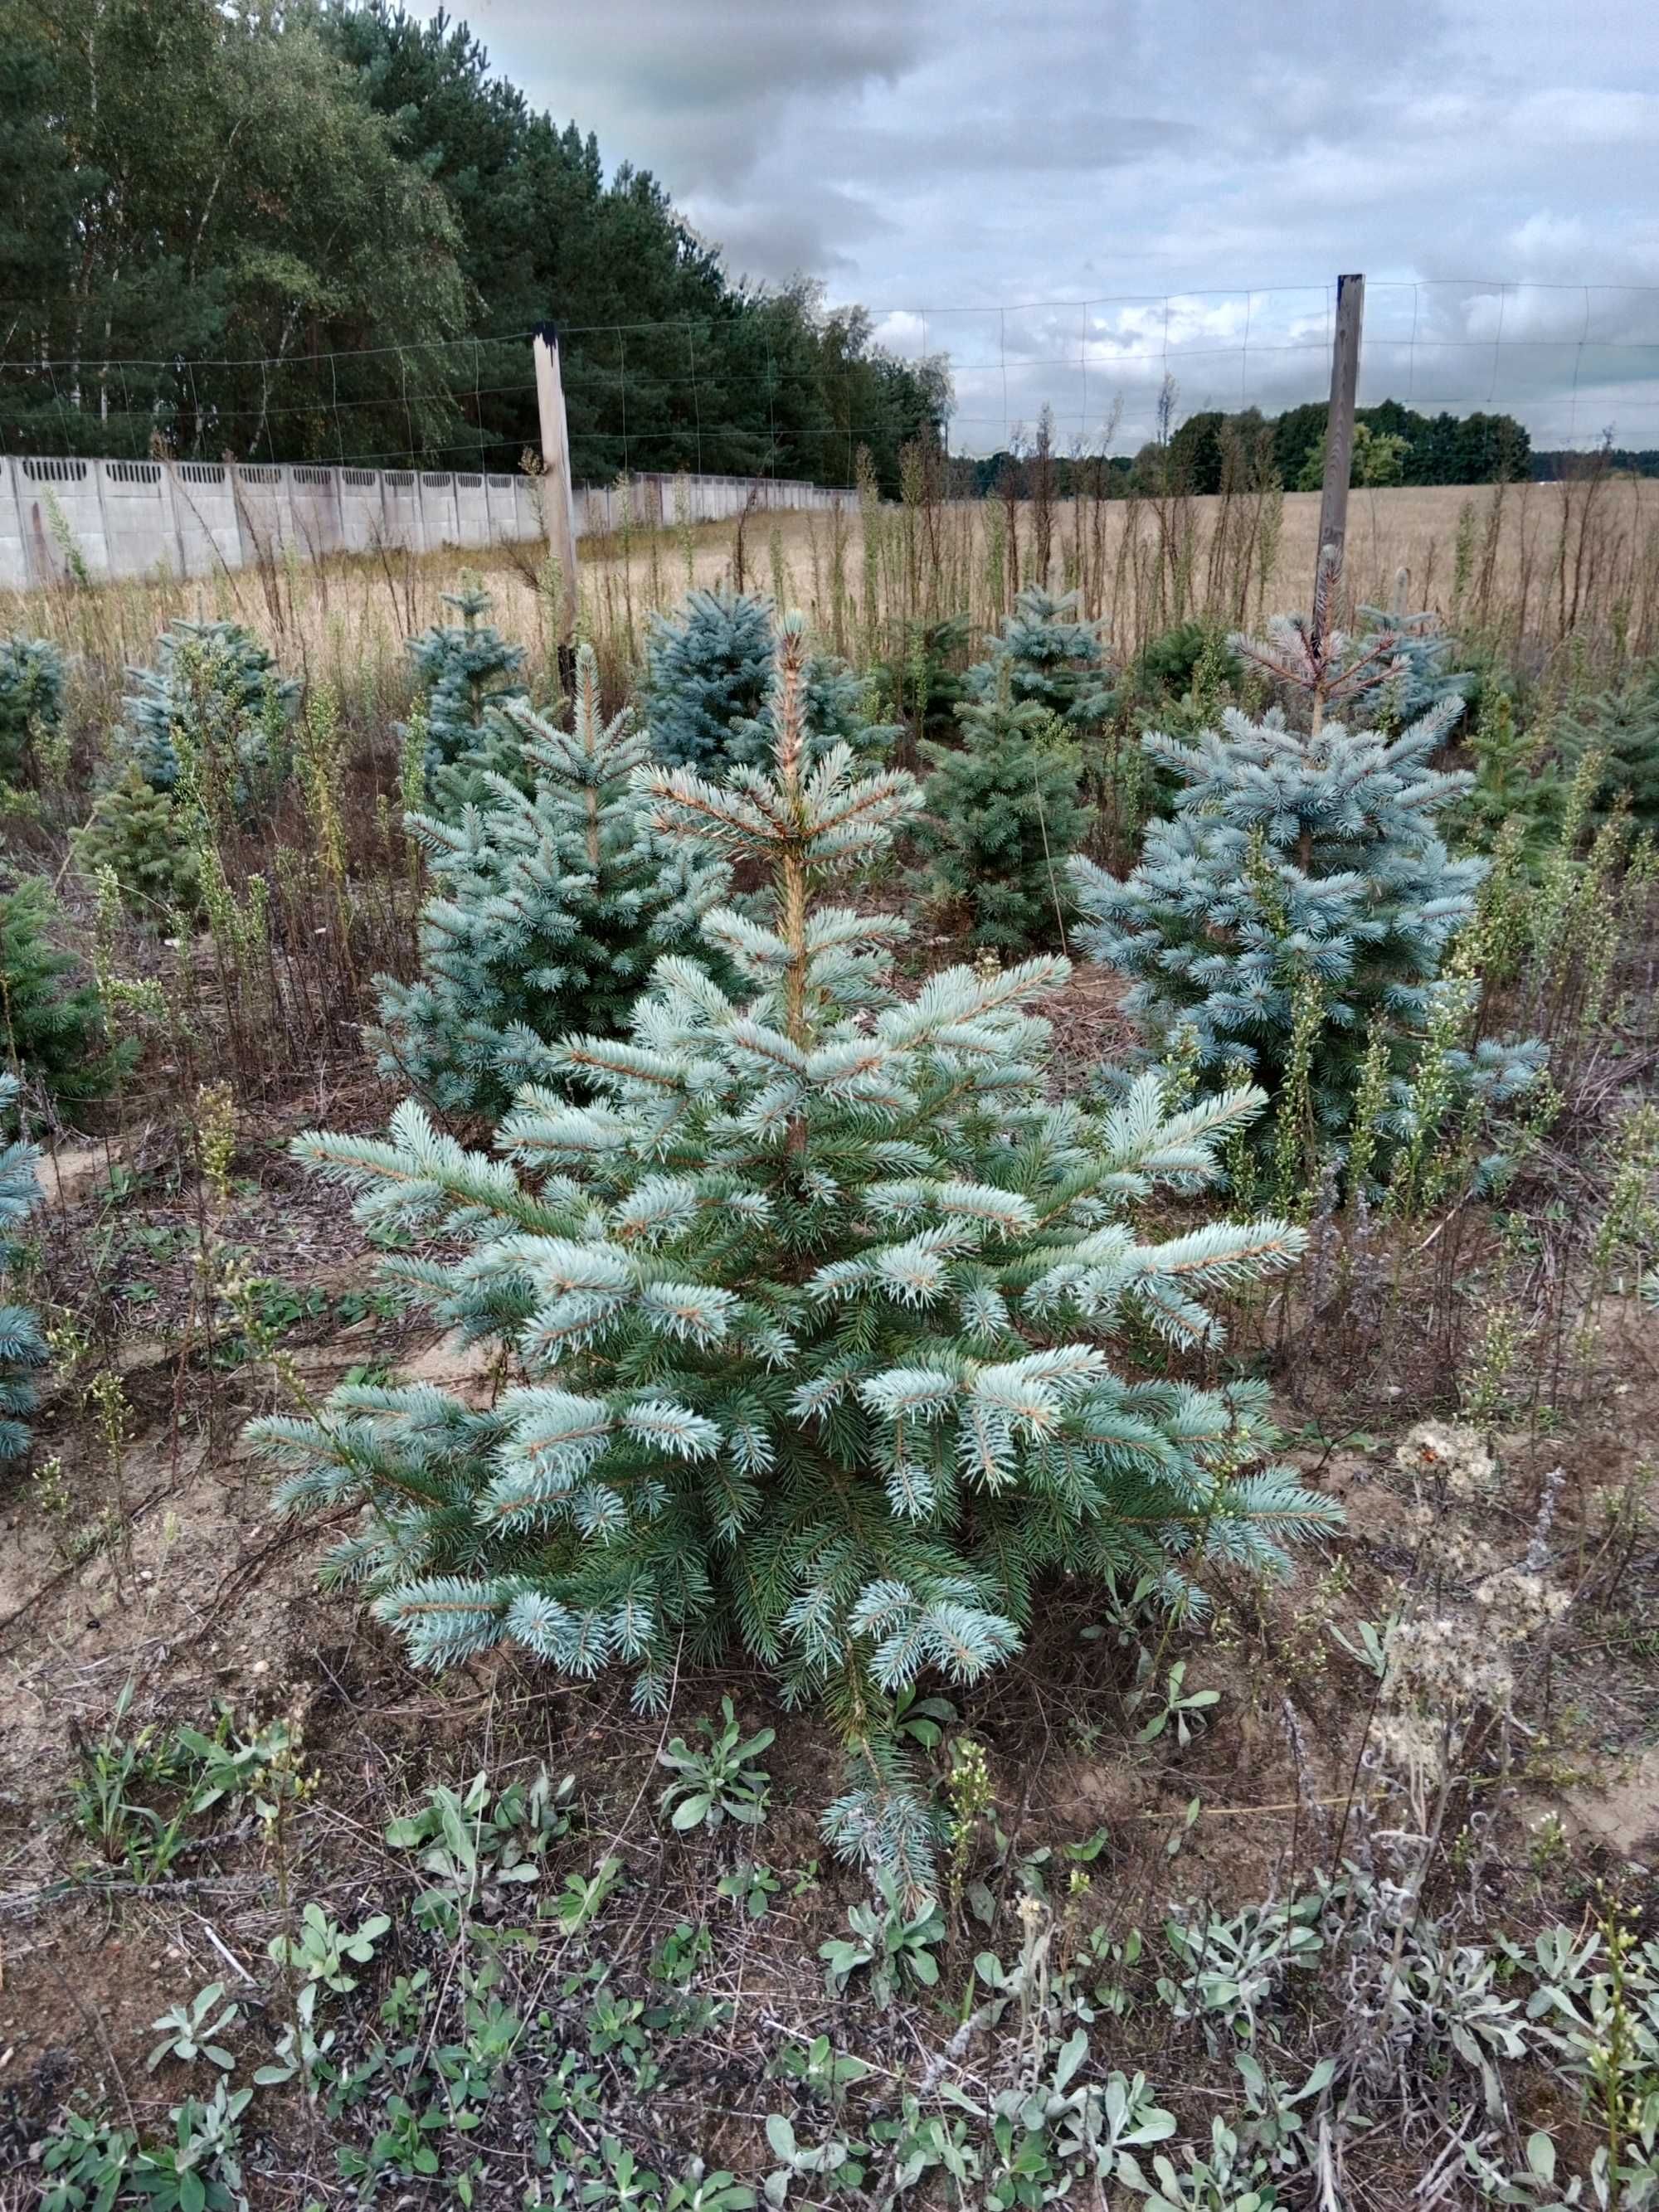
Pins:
<point x="324" y="231"/>
<point x="1213" y="452"/>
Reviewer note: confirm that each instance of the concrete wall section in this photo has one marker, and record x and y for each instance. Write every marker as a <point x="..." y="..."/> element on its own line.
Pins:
<point x="210" y="536"/>
<point x="59" y="517"/>
<point x="265" y="512"/>
<point x="363" y="510"/>
<point x="196" y="518"/>
<point x="315" y="496"/>
<point x="14" y="550"/>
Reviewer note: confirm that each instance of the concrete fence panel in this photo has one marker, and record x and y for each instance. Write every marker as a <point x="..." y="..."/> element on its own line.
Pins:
<point x="400" y="501"/>
<point x="314" y="497"/>
<point x="436" y="491"/>
<point x="61" y="517"/>
<point x="264" y="514"/>
<point x="362" y="509"/>
<point x="14" y="562"/>
<point x="204" y="514"/>
<point x="471" y="508"/>
<point x="145" y="517"/>
<point x="138" y="513"/>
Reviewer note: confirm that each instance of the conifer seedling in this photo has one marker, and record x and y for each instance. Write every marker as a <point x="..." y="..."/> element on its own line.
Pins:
<point x="807" y="1290"/>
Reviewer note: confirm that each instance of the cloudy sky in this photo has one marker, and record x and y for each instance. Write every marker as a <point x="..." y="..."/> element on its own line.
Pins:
<point x="1073" y="197"/>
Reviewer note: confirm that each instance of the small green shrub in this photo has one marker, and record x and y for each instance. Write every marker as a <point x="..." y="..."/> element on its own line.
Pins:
<point x="1003" y="818"/>
<point x="142" y="836"/>
<point x="212" y="716"/>
<point x="476" y="1847"/>
<point x="323" y="1950"/>
<point x="33" y="674"/>
<point x="51" y="1027"/>
<point x="891" y="1941"/>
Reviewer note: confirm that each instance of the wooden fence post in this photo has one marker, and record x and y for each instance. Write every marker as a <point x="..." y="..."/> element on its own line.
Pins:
<point x="1338" y="447"/>
<point x="558" y="495"/>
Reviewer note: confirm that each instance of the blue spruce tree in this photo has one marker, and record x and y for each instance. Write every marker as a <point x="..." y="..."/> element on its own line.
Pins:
<point x="213" y="713"/>
<point x="708" y="681"/>
<point x="1622" y="726"/>
<point x="466" y="673"/>
<point x="32" y="675"/>
<point x="1050" y="658"/>
<point x="806" y="1294"/>
<point x="1298" y="904"/>
<point x="1418" y="677"/>
<point x="706" y="671"/>
<point x="22" y="1348"/>
<point x="555" y="907"/>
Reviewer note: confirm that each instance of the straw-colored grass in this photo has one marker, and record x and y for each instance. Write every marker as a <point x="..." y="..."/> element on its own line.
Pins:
<point x="1529" y="565"/>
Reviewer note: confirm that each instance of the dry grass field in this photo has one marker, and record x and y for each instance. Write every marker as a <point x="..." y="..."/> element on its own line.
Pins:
<point x="1528" y="564"/>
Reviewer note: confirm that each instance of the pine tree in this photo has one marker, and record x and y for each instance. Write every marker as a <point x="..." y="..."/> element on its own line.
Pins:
<point x="1051" y="659"/>
<point x="708" y="681"/>
<point x="22" y="1348"/>
<point x="808" y="1290"/>
<point x="142" y="835"/>
<point x="1003" y="818"/>
<point x="51" y="1029"/>
<point x="556" y="905"/>
<point x="465" y="674"/>
<point x="32" y="676"/>
<point x="1298" y="902"/>
<point x="212" y="713"/>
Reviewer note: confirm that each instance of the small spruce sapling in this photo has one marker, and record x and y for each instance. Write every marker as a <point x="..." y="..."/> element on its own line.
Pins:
<point x="22" y="1348"/>
<point x="32" y="676"/>
<point x="1298" y="904"/>
<point x="926" y="679"/>
<point x="1049" y="658"/>
<point x="140" y="834"/>
<point x="709" y="682"/>
<point x="707" y="668"/>
<point x="52" y="1028"/>
<point x="1622" y="725"/>
<point x="1420" y="678"/>
<point x="1003" y="818"/>
<point x="1516" y="779"/>
<point x="553" y="909"/>
<point x="465" y="674"/>
<point x="806" y="1293"/>
<point x="212" y="714"/>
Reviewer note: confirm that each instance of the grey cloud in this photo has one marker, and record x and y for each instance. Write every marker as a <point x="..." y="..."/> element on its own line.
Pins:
<point x="977" y="154"/>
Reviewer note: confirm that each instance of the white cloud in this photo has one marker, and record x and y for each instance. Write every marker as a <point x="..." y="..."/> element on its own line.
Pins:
<point x="926" y="156"/>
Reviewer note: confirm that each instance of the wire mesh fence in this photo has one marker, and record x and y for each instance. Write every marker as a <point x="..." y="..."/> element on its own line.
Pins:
<point x="1574" y="364"/>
